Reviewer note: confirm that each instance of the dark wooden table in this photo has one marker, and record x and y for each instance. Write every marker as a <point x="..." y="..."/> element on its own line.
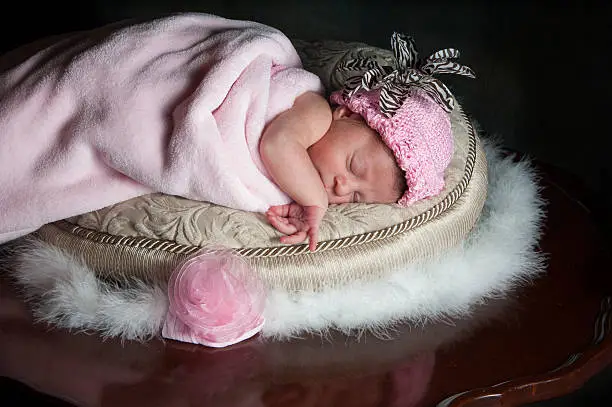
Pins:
<point x="544" y="341"/>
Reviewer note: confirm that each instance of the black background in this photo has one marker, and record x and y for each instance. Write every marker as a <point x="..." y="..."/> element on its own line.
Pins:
<point x="543" y="67"/>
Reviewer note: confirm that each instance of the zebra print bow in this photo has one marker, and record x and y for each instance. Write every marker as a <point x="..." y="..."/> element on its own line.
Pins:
<point x="406" y="72"/>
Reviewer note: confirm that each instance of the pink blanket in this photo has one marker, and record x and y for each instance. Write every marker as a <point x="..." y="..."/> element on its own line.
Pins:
<point x="175" y="105"/>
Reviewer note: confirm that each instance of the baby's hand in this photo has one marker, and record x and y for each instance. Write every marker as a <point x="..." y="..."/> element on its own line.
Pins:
<point x="297" y="222"/>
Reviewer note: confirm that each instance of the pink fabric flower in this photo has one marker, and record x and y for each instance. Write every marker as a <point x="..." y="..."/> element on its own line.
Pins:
<point x="215" y="299"/>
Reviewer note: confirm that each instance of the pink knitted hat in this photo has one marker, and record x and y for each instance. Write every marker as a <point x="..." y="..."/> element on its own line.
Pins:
<point x="409" y="109"/>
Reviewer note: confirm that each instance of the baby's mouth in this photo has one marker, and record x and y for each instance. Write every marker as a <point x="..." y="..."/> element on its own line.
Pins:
<point x="330" y="194"/>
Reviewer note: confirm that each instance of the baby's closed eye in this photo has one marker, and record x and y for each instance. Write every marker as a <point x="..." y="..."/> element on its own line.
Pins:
<point x="357" y="165"/>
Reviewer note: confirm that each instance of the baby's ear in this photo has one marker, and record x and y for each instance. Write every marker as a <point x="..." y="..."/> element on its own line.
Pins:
<point x="340" y="112"/>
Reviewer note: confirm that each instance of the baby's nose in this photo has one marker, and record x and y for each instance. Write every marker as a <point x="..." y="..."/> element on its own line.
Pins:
<point x="342" y="186"/>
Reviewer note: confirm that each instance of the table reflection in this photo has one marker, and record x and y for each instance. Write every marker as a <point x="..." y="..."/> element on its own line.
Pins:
<point x="389" y="369"/>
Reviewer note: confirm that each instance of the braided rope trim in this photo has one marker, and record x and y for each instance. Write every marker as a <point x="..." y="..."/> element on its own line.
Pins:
<point x="297" y="249"/>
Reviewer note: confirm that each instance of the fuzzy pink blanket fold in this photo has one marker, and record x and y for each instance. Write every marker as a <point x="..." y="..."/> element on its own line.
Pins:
<point x="176" y="105"/>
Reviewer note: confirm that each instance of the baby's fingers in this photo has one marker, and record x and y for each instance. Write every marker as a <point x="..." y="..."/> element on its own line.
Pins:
<point x="298" y="237"/>
<point x="313" y="239"/>
<point x="279" y="210"/>
<point x="281" y="224"/>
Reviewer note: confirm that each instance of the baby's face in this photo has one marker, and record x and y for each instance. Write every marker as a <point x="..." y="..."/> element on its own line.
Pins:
<point x="354" y="163"/>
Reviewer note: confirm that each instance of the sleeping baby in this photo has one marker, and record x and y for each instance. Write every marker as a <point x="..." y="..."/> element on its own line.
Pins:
<point x="215" y="110"/>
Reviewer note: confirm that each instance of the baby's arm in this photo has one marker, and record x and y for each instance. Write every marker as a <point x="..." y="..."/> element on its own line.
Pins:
<point x="283" y="150"/>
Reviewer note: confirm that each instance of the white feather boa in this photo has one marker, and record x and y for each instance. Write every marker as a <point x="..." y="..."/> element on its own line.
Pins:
<point x="500" y="254"/>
